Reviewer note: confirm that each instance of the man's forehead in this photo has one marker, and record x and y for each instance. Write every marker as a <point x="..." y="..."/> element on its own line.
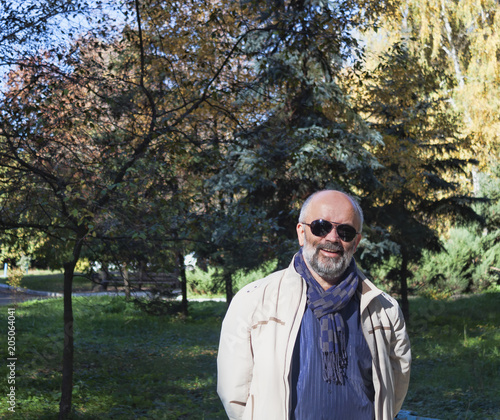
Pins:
<point x="332" y="204"/>
<point x="331" y="200"/>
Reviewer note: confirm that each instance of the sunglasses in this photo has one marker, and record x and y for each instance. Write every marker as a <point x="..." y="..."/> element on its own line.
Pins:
<point x="322" y="228"/>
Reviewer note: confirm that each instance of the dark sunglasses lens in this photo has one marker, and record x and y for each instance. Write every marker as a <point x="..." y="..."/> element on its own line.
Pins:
<point x="347" y="233"/>
<point x="321" y="227"/>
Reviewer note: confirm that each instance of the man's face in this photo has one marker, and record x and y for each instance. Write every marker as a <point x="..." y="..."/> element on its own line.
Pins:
<point x="329" y="256"/>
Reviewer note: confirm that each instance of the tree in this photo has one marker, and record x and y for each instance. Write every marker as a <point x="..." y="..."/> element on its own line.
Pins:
<point x="460" y="40"/>
<point x="309" y="136"/>
<point x="64" y="176"/>
<point x="30" y="26"/>
<point x="201" y="127"/>
<point x="418" y="180"/>
<point x="88" y="136"/>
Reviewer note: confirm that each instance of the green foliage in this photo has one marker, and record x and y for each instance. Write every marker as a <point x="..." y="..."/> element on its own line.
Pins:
<point x="209" y="282"/>
<point x="471" y="257"/>
<point x="202" y="281"/>
<point x="24" y="263"/>
<point x="381" y="273"/>
<point x="301" y="133"/>
<point x="452" y="268"/>
<point x="488" y="185"/>
<point x="420" y="155"/>
<point x="487" y="272"/>
<point x="15" y="277"/>
<point x="463" y="266"/>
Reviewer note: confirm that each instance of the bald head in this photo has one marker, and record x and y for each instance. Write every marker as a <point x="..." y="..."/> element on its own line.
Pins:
<point x="331" y="199"/>
<point x="328" y="253"/>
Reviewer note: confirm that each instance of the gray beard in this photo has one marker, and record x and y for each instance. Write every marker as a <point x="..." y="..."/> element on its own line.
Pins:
<point x="331" y="268"/>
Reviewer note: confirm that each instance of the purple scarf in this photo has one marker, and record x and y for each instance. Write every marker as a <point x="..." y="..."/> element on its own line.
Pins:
<point x="326" y="305"/>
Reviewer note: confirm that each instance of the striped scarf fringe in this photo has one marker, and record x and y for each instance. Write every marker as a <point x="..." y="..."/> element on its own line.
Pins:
<point x="326" y="305"/>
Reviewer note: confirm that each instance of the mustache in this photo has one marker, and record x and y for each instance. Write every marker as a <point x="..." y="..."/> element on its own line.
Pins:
<point x="331" y="246"/>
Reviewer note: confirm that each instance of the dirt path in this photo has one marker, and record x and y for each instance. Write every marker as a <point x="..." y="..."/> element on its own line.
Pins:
<point x="9" y="297"/>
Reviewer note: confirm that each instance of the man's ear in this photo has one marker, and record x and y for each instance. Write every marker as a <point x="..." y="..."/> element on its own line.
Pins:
<point x="300" y="233"/>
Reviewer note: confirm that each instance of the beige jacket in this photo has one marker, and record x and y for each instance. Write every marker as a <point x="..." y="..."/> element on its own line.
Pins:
<point x="258" y="337"/>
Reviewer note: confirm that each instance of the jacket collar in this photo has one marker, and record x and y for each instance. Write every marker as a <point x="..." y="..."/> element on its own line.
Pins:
<point x="367" y="291"/>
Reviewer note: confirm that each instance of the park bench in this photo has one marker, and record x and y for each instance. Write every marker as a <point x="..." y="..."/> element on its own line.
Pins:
<point x="166" y="283"/>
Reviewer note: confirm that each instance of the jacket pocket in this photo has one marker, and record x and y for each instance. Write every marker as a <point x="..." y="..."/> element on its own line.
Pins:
<point x="249" y="409"/>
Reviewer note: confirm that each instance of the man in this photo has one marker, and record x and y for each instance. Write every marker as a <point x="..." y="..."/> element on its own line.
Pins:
<point x="317" y="340"/>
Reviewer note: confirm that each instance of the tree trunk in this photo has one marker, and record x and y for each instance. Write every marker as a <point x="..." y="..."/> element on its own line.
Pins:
<point x="126" y="280"/>
<point x="405" y="304"/>
<point x="182" y="267"/>
<point x="68" y="350"/>
<point x="228" y="282"/>
<point x="451" y="51"/>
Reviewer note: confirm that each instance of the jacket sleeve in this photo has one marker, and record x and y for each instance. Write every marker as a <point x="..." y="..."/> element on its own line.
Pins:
<point x="235" y="359"/>
<point x="400" y="357"/>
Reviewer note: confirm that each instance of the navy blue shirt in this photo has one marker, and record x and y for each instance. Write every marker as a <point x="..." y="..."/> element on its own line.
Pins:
<point x="315" y="399"/>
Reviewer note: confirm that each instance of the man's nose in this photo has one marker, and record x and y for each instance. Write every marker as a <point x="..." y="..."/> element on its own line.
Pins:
<point x="333" y="235"/>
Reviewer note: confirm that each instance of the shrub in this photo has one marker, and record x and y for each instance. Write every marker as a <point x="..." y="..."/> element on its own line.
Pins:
<point x="463" y="266"/>
<point x="24" y="263"/>
<point x="487" y="272"/>
<point x="203" y="282"/>
<point x="14" y="277"/>
<point x="211" y="282"/>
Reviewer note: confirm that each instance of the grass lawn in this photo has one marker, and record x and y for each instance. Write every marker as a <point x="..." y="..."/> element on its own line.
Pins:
<point x="129" y="365"/>
<point x="456" y="357"/>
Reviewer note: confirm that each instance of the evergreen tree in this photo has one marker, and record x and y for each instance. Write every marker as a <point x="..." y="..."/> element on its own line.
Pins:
<point x="420" y="158"/>
<point x="309" y="137"/>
